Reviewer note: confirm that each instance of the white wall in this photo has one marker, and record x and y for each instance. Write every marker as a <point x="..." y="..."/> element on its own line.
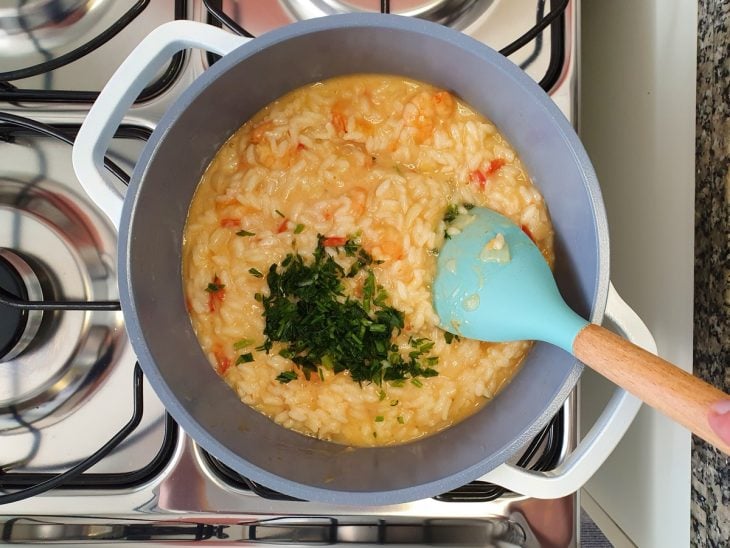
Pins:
<point x="638" y="125"/>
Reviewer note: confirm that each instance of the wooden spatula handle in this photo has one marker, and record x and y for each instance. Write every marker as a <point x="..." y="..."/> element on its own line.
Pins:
<point x="660" y="384"/>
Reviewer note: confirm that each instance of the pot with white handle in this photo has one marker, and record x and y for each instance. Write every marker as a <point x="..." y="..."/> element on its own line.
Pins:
<point x="152" y="216"/>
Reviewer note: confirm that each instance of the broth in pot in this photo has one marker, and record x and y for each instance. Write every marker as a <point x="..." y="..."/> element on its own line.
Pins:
<point x="311" y="244"/>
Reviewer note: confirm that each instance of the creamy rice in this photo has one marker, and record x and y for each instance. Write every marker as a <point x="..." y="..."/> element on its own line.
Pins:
<point x="377" y="155"/>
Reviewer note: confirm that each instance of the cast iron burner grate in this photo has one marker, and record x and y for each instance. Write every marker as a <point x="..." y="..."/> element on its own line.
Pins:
<point x="18" y="302"/>
<point x="16" y="93"/>
<point x="554" y="20"/>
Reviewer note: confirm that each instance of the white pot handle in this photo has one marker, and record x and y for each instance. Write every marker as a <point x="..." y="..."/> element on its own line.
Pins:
<point x="119" y="94"/>
<point x="600" y="441"/>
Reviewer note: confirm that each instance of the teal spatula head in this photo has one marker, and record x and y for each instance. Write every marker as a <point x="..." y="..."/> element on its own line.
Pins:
<point x="493" y="284"/>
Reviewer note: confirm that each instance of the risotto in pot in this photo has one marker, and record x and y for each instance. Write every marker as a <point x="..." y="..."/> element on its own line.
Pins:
<point x="311" y="244"/>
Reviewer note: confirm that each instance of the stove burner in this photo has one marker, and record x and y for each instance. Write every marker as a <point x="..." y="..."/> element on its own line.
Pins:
<point x="28" y="16"/>
<point x="453" y="13"/>
<point x="71" y="251"/>
<point x="17" y="327"/>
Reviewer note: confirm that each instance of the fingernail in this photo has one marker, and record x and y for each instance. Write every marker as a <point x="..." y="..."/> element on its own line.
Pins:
<point x="721" y="407"/>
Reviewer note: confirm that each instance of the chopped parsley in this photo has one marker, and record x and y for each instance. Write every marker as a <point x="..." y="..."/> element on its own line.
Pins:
<point x="450" y="337"/>
<point x="401" y="420"/>
<point x="243" y="343"/>
<point x="245" y="233"/>
<point x="255" y="273"/>
<point x="244" y="358"/>
<point x="214" y="286"/>
<point x="309" y="311"/>
<point x="286" y="377"/>
<point x="299" y="228"/>
<point x="452" y="212"/>
<point x="279" y="213"/>
<point x="379" y="418"/>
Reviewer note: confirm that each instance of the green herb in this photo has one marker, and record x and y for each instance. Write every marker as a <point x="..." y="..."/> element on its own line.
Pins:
<point x="381" y="395"/>
<point x="244" y="358"/>
<point x="279" y="213"/>
<point x="321" y="373"/>
<point x="327" y="362"/>
<point x="299" y="228"/>
<point x="416" y="383"/>
<point x="379" y="418"/>
<point x="394" y="403"/>
<point x="308" y="310"/>
<point x="255" y="272"/>
<point x="214" y="286"/>
<point x="243" y="343"/>
<point x="245" y="233"/>
<point x="450" y="215"/>
<point x="452" y="212"/>
<point x="286" y="377"/>
<point x="401" y="420"/>
<point x="363" y="259"/>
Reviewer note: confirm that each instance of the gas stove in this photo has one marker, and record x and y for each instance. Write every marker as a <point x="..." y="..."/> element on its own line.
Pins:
<point x="71" y="395"/>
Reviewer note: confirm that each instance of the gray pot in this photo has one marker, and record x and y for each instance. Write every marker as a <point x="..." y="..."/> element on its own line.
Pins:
<point x="154" y="213"/>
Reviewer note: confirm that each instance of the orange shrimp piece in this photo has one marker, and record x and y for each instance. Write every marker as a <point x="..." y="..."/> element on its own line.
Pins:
<point x="223" y="361"/>
<point x="392" y="249"/>
<point x="358" y="200"/>
<point x="339" y="121"/>
<point x="339" y="116"/>
<point x="425" y="110"/>
<point x="419" y="114"/>
<point x="230" y="222"/>
<point x="388" y="244"/>
<point x="444" y="104"/>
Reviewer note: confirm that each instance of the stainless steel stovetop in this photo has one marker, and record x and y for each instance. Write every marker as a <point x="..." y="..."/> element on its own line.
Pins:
<point x="67" y="377"/>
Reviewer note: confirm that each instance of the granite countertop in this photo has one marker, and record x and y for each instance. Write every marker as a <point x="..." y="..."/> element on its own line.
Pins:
<point x="710" y="467"/>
